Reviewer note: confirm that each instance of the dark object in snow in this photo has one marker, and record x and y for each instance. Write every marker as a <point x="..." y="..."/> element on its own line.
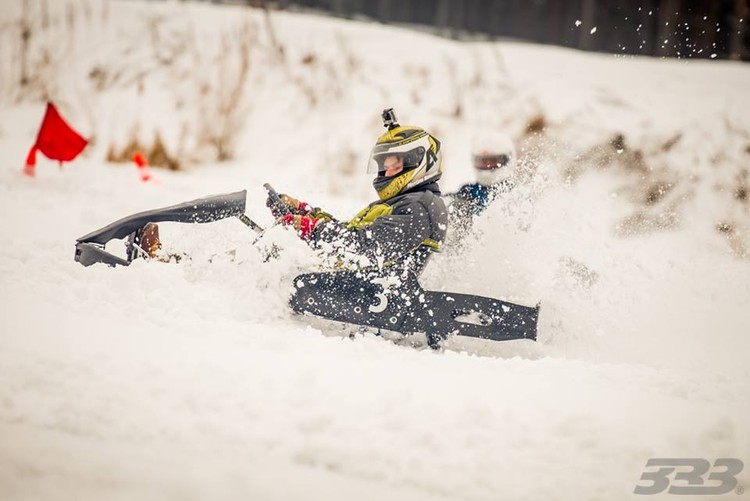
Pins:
<point x="396" y="302"/>
<point x="390" y="121"/>
<point x="277" y="206"/>
<point x="90" y="247"/>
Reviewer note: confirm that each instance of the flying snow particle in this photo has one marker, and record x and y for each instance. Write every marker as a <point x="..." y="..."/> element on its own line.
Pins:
<point x="713" y="56"/>
<point x="593" y="30"/>
<point x="578" y="22"/>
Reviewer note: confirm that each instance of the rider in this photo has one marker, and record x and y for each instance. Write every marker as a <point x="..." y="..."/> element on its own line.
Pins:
<point x="494" y="161"/>
<point x="403" y="226"/>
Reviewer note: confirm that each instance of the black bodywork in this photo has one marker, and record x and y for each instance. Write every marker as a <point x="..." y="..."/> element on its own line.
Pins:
<point x="90" y="247"/>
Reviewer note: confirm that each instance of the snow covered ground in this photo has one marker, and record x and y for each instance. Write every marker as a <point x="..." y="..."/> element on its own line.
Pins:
<point x="195" y="381"/>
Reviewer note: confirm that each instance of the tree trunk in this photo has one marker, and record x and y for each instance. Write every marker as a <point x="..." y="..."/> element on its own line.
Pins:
<point x="738" y="34"/>
<point x="588" y="18"/>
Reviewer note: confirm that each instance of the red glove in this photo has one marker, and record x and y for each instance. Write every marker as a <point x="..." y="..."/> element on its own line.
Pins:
<point x="303" y="224"/>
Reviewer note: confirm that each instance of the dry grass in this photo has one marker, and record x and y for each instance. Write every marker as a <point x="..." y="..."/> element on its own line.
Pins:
<point x="156" y="153"/>
<point x="537" y="124"/>
<point x="222" y="106"/>
<point x="734" y="239"/>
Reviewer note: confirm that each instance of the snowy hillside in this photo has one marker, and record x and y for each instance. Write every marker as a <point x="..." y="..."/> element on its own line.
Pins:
<point x="195" y="381"/>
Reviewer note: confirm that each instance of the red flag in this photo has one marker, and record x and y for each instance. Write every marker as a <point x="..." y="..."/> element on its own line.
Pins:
<point x="56" y="139"/>
<point x="142" y="165"/>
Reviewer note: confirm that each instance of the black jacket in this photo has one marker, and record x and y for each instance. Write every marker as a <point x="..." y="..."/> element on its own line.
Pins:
<point x="401" y="231"/>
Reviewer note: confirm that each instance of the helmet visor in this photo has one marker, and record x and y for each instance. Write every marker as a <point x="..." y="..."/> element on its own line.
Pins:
<point x="491" y="162"/>
<point x="411" y="157"/>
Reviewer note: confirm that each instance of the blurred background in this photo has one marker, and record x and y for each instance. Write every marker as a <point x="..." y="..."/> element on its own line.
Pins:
<point x="651" y="91"/>
<point x="669" y="28"/>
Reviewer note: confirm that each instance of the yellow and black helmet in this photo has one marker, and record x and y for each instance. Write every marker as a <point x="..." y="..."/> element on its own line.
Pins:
<point x="420" y="153"/>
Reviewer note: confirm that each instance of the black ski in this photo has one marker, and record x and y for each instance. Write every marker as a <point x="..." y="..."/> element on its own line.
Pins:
<point x="398" y="303"/>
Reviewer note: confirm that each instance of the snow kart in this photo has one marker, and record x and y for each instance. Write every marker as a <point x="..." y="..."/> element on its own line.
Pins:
<point x="379" y="299"/>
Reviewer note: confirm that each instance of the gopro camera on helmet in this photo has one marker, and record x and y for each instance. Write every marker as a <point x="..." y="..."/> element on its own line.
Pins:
<point x="389" y="119"/>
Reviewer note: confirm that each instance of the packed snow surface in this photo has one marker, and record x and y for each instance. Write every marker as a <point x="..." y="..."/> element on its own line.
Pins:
<point x="196" y="381"/>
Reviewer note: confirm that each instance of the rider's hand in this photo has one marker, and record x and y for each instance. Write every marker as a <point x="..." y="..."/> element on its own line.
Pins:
<point x="302" y="224"/>
<point x="292" y="204"/>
